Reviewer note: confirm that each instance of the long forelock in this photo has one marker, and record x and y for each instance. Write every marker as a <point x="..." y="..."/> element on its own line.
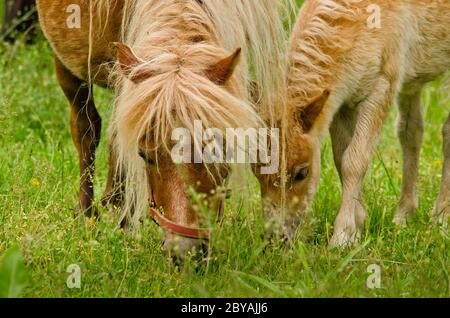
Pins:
<point x="175" y="98"/>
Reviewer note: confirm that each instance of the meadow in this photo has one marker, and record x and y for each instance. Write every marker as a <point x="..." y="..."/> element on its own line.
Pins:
<point x="38" y="194"/>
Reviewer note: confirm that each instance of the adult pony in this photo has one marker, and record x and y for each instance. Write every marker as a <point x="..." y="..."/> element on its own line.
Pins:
<point x="177" y="61"/>
<point x="349" y="61"/>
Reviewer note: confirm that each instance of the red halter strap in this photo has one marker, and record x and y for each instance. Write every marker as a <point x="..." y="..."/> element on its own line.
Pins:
<point x="186" y="231"/>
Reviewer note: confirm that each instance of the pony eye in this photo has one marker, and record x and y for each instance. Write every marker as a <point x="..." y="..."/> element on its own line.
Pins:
<point x="146" y="158"/>
<point x="301" y="174"/>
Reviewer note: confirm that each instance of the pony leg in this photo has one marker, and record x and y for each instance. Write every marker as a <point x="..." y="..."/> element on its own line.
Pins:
<point x="85" y="124"/>
<point x="441" y="210"/>
<point x="355" y="162"/>
<point x="410" y="133"/>
<point x="342" y="130"/>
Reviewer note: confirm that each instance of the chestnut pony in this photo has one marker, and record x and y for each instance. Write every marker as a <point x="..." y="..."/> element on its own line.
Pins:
<point x="169" y="63"/>
<point x="349" y="62"/>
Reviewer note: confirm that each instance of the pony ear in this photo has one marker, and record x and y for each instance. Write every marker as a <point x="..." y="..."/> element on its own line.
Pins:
<point x="221" y="72"/>
<point x="308" y="115"/>
<point x="128" y="61"/>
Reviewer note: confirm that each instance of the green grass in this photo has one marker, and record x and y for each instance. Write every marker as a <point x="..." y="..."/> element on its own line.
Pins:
<point x="2" y="10"/>
<point x="38" y="190"/>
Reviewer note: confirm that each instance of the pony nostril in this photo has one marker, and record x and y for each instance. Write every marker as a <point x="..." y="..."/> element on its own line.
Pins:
<point x="166" y="246"/>
<point x="180" y="248"/>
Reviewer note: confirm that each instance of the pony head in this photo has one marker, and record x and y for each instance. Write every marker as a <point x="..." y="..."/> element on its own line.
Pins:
<point x="287" y="195"/>
<point x="168" y="90"/>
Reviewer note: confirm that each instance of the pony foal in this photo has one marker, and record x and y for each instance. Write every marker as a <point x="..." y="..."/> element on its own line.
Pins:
<point x="345" y="72"/>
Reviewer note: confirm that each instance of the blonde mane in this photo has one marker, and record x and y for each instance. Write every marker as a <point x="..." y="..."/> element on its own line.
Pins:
<point x="314" y="48"/>
<point x="317" y="45"/>
<point x="176" y="41"/>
